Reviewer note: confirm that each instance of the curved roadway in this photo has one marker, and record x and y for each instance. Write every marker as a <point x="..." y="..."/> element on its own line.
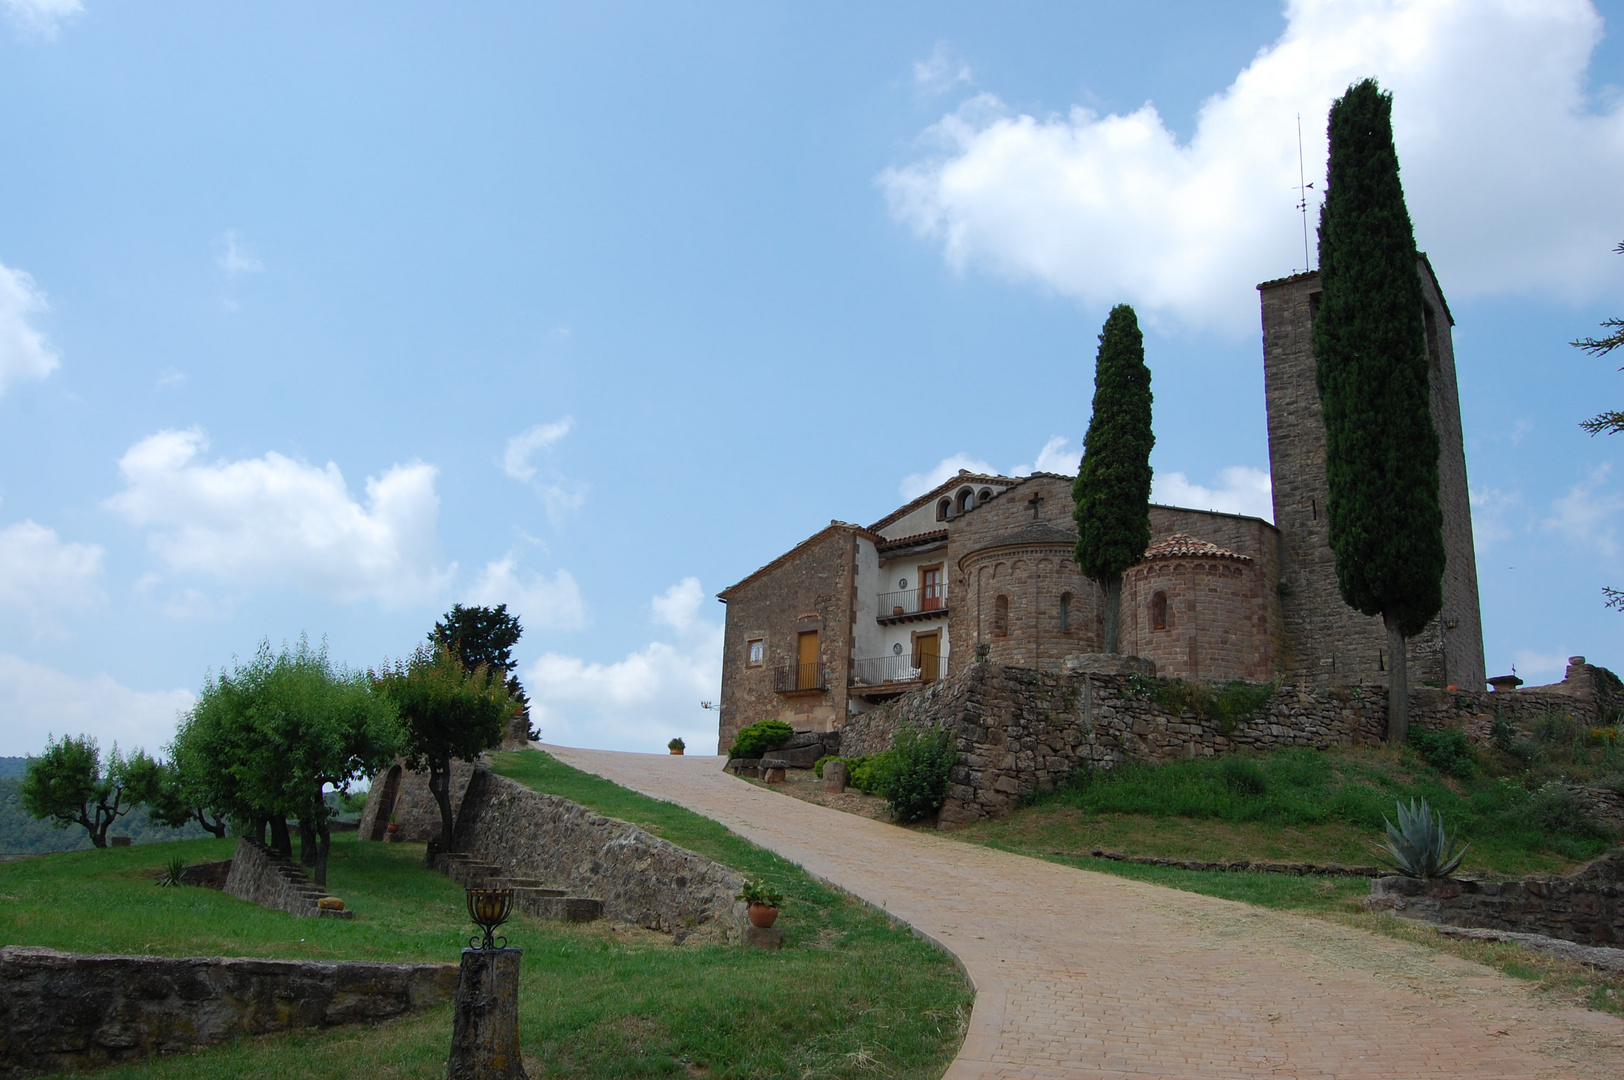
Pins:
<point x="1086" y="975"/>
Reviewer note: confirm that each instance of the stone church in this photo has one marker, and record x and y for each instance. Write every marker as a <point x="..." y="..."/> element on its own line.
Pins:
<point x="855" y="615"/>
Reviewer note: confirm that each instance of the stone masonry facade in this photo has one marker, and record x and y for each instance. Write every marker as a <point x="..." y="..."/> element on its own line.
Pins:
<point x="1020" y="730"/>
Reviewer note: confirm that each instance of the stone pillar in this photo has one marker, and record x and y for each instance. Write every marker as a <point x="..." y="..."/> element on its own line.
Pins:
<point x="485" y="1035"/>
<point x="834" y="776"/>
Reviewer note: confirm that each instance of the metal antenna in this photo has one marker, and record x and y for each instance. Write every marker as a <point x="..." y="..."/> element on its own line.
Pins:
<point x="1302" y="191"/>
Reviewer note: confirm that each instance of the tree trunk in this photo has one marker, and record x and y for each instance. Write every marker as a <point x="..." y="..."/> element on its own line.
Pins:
<point x="217" y="826"/>
<point x="1398" y="683"/>
<point x="440" y="787"/>
<point x="1113" y="613"/>
<point x="97" y="829"/>
<point x="281" y="843"/>
<point x="307" y="844"/>
<point x="324" y="846"/>
<point x="257" y="829"/>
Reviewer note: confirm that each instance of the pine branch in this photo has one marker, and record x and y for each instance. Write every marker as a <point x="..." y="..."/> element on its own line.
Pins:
<point x="1603" y="346"/>
<point x="1610" y="422"/>
<point x="1614" y="598"/>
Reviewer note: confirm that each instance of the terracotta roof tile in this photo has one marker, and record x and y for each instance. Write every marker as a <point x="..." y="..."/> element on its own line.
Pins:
<point x="1183" y="545"/>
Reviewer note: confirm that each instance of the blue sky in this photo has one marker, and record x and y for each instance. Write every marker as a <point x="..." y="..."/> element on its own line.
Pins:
<point x="318" y="320"/>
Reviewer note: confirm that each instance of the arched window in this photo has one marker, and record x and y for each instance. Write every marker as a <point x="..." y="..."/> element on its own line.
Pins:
<point x="1158" y="611"/>
<point x="985" y="494"/>
<point x="1065" y="613"/>
<point x="967" y="500"/>
<point x="943" y="509"/>
<point x="1000" y="617"/>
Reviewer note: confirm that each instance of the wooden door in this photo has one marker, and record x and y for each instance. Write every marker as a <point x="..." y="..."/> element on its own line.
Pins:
<point x="930" y="588"/>
<point x="806" y="664"/>
<point x="928" y="648"/>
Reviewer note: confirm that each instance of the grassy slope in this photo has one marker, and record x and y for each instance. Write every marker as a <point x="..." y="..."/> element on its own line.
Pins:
<point x="849" y="995"/>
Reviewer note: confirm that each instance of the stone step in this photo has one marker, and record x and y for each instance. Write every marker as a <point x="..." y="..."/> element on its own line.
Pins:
<point x="533" y="884"/>
<point x="550" y="904"/>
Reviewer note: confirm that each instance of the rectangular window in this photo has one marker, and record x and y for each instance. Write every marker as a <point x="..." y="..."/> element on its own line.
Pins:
<point x="756" y="651"/>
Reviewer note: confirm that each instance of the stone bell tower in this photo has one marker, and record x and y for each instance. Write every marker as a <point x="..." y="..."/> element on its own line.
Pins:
<point x="1323" y="640"/>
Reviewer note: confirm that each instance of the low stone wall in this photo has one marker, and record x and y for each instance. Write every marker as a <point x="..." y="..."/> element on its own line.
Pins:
<point x="639" y="878"/>
<point x="261" y="876"/>
<point x="66" y="1011"/>
<point x="1587" y="908"/>
<point x="1020" y="729"/>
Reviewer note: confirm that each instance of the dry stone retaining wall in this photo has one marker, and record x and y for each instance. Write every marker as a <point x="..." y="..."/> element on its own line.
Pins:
<point x="261" y="876"/>
<point x="1020" y="730"/>
<point x="639" y="878"/>
<point x="1587" y="908"/>
<point x="67" y="1011"/>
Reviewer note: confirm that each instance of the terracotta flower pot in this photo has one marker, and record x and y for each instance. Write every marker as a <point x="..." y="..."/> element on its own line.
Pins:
<point x="762" y="915"/>
<point x="677" y="752"/>
<point x="393" y="827"/>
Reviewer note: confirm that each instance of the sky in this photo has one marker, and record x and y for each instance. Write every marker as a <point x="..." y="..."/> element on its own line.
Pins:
<point x="319" y="319"/>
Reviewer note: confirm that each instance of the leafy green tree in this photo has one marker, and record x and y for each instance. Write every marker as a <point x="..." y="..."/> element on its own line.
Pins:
<point x="266" y="739"/>
<point x="1112" y="489"/>
<point x="177" y="799"/>
<point x="68" y="784"/>
<point x="484" y="637"/>
<point x="1381" y="446"/>
<point x="448" y="712"/>
<point x="1612" y="420"/>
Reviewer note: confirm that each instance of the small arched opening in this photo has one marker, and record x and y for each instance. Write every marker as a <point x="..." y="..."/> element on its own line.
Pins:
<point x="944" y="509"/>
<point x="1065" y="613"/>
<point x="966" y="500"/>
<point x="1000" y="616"/>
<point x="1158" y="611"/>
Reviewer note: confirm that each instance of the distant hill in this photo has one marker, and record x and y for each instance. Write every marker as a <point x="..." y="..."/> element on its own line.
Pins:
<point x="12" y="768"/>
<point x="22" y="834"/>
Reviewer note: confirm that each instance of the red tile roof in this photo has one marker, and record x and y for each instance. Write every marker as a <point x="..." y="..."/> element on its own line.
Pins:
<point x="1183" y="545"/>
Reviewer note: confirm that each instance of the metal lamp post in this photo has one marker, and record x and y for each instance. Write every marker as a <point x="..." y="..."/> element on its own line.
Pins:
<point x="485" y="1034"/>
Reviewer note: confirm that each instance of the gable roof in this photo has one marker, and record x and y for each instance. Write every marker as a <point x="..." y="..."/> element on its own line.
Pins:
<point x="965" y="477"/>
<point x="833" y="527"/>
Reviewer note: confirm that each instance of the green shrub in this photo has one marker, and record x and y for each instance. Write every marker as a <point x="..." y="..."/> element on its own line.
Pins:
<point x="1555" y="810"/>
<point x="817" y="769"/>
<point x="871" y="772"/>
<point x="1243" y="776"/>
<point x="1447" y="751"/>
<point x="760" y="736"/>
<point x="916" y="786"/>
<point x="1237" y="700"/>
<point x="1504" y="733"/>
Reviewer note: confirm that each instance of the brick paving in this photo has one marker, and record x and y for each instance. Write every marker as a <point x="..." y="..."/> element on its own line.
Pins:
<point x="1086" y="975"/>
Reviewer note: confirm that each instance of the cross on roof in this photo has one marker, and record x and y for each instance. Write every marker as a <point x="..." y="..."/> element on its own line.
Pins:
<point x="1036" y="503"/>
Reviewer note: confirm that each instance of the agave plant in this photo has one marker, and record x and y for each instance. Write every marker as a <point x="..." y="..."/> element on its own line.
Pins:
<point x="1419" y="846"/>
<point x="173" y="871"/>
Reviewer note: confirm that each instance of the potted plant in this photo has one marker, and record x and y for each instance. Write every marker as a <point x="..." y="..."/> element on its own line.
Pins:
<point x="392" y="828"/>
<point x="676" y="746"/>
<point x="761" y="903"/>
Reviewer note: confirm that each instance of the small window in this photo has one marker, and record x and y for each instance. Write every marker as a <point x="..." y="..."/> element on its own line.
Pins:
<point x="1158" y="611"/>
<point x="756" y="652"/>
<point x="967" y="500"/>
<point x="944" y="509"/>
<point x="983" y="496"/>
<point x="1065" y="613"/>
<point x="1000" y="617"/>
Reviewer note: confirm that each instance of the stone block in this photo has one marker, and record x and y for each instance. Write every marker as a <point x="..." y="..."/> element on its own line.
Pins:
<point x="763" y="937"/>
<point x="834" y="776"/>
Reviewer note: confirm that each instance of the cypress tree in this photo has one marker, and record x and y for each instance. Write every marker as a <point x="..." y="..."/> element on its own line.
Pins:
<point x="1381" y="446"/>
<point x="1112" y="490"/>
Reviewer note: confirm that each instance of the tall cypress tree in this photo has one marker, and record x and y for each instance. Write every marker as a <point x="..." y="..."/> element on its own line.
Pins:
<point x="1112" y="490"/>
<point x="1381" y="446"/>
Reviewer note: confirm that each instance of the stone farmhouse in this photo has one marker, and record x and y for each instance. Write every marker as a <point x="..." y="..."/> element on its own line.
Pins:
<point x="855" y="615"/>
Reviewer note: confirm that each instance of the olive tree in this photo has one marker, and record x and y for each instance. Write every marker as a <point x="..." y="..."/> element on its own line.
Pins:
<point x="69" y="784"/>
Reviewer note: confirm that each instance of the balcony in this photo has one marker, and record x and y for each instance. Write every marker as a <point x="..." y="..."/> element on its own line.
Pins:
<point x="887" y="676"/>
<point x="800" y="679"/>
<point x="911" y="605"/>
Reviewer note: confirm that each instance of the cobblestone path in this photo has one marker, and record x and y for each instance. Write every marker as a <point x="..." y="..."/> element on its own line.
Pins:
<point x="1086" y="975"/>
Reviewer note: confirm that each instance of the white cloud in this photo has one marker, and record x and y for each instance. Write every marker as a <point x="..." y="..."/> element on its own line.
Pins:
<point x="1489" y="112"/>
<point x="1585" y="515"/>
<point x="1490" y="509"/>
<point x="940" y="72"/>
<point x="236" y="258"/>
<point x="1241" y="490"/>
<point x="1057" y="456"/>
<point x="275" y="521"/>
<point x="41" y="577"/>
<point x="171" y="376"/>
<point x="1541" y="667"/>
<point x="916" y="484"/>
<point x="38" y="701"/>
<point x="558" y="494"/>
<point x="542" y="603"/>
<point x="642" y="701"/>
<point x="39" y="18"/>
<point x="24" y="352"/>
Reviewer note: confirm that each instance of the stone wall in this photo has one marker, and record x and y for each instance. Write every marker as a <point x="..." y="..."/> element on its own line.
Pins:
<point x="1587" y="908"/>
<point x="639" y="878"/>
<point x="1216" y="617"/>
<point x="261" y="876"/>
<point x="809" y="589"/>
<point x="1021" y="730"/>
<point x="66" y="1011"/>
<point x="405" y="794"/>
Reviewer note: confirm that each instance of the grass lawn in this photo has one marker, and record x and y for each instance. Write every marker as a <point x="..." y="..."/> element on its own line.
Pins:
<point x="850" y="994"/>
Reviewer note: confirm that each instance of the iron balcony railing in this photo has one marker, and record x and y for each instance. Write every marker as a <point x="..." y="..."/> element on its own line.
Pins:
<point x="932" y="598"/>
<point x="791" y="678"/>
<point x="880" y="670"/>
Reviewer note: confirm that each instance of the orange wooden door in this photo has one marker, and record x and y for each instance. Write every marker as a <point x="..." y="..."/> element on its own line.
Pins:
<point x="806" y="667"/>
<point x="929" y="647"/>
<point x="930" y="589"/>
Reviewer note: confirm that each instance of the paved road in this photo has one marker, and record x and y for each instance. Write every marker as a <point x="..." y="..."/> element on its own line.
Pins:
<point x="1086" y="975"/>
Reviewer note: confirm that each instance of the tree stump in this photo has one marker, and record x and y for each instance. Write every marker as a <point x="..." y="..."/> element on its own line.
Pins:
<point x="485" y="1034"/>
